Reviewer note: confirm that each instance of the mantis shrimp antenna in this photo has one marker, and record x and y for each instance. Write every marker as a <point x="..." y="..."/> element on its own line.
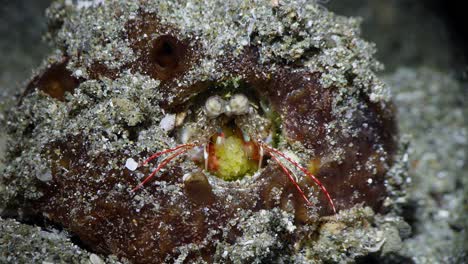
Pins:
<point x="158" y="154"/>
<point x="288" y="173"/>
<point x="186" y="147"/>
<point x="310" y="175"/>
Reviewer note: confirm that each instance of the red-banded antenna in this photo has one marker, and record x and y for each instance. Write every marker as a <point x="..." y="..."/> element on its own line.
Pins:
<point x="164" y="162"/>
<point x="288" y="173"/>
<point x="324" y="190"/>
<point x="160" y="153"/>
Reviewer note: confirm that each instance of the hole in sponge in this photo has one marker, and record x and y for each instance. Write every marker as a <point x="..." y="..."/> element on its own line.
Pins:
<point x="55" y="81"/>
<point x="167" y="53"/>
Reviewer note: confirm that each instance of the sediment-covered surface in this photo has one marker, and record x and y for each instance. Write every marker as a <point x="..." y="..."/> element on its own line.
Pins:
<point x="130" y="79"/>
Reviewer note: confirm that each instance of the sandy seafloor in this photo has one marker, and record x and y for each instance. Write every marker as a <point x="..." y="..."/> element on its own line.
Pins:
<point x="423" y="68"/>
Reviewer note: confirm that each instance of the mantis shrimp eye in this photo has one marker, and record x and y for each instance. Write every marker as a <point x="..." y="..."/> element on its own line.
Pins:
<point x="239" y="104"/>
<point x="214" y="106"/>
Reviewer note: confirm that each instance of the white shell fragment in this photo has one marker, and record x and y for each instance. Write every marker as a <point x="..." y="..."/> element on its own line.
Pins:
<point x="214" y="106"/>
<point x="44" y="176"/>
<point x="131" y="164"/>
<point x="168" y="122"/>
<point x="95" y="259"/>
<point x="239" y="104"/>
